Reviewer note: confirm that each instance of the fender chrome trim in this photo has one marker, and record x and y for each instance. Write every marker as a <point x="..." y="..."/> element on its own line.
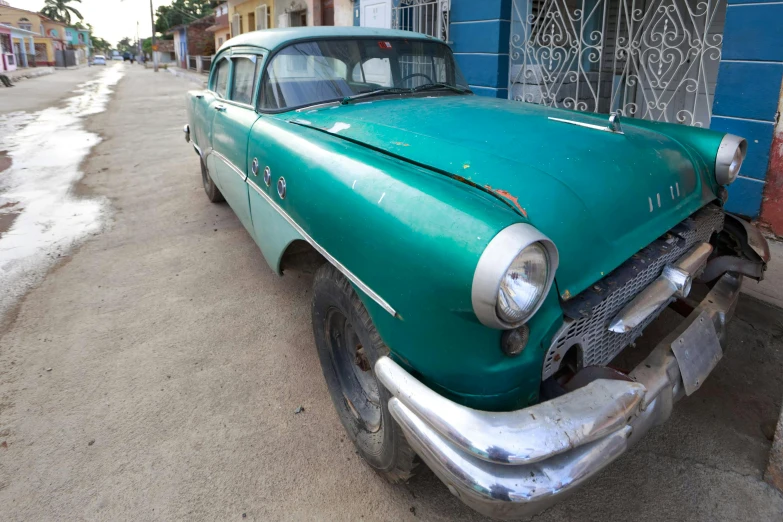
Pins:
<point x="230" y="165"/>
<point x="321" y="250"/>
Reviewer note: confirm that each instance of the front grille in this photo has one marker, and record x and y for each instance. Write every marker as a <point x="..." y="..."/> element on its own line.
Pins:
<point x="589" y="313"/>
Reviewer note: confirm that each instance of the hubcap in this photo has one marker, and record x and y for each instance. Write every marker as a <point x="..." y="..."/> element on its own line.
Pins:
<point x="354" y="371"/>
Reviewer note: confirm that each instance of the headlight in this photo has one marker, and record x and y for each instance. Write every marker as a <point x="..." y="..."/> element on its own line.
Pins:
<point x="731" y="154"/>
<point x="523" y="285"/>
<point x="513" y="276"/>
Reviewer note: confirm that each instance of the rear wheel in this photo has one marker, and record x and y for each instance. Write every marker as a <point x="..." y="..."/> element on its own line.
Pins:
<point x="348" y="347"/>
<point x="213" y="193"/>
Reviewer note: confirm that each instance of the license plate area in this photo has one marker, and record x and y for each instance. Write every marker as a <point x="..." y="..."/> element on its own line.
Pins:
<point x="697" y="352"/>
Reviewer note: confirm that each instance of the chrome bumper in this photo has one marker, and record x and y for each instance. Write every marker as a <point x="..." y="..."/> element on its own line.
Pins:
<point x="515" y="464"/>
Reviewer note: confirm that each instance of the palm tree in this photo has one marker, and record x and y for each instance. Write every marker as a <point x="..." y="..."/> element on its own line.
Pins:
<point x="60" y="10"/>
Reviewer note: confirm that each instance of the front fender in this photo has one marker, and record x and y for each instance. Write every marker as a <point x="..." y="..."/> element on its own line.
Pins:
<point x="414" y="238"/>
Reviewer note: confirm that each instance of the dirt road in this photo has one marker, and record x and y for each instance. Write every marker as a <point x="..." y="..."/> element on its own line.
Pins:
<point x="155" y="372"/>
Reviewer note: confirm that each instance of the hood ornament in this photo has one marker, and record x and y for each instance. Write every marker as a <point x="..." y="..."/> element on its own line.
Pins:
<point x="613" y="125"/>
<point x="614" y="122"/>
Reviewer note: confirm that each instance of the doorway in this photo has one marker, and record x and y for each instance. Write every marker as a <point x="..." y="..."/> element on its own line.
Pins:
<point x="327" y="12"/>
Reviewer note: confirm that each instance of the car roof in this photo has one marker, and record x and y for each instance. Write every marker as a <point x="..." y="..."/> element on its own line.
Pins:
<point x="273" y="39"/>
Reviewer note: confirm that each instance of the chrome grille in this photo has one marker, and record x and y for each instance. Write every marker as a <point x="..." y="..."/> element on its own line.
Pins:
<point x="598" y="346"/>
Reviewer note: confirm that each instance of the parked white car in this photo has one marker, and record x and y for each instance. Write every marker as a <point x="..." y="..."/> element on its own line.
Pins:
<point x="99" y="60"/>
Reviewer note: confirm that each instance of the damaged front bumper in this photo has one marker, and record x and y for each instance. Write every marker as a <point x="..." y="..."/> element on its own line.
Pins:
<point x="515" y="464"/>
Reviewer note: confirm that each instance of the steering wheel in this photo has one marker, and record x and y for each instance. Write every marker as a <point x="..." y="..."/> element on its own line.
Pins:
<point x="413" y="75"/>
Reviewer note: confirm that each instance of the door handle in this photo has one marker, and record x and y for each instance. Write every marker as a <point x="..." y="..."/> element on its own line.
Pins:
<point x="199" y="96"/>
<point x="220" y="108"/>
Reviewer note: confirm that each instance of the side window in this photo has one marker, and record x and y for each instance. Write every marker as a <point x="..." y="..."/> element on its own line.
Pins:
<point x="245" y="75"/>
<point x="374" y="70"/>
<point x="220" y="80"/>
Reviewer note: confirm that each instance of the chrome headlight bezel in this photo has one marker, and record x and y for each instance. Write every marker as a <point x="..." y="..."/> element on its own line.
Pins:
<point x="494" y="264"/>
<point x="728" y="161"/>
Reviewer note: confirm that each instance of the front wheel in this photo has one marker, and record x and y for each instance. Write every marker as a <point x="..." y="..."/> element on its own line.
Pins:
<point x="213" y="193"/>
<point x="348" y="347"/>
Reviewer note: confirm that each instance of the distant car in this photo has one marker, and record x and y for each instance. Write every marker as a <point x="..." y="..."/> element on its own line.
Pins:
<point x="117" y="57"/>
<point x="478" y="262"/>
<point x="99" y="60"/>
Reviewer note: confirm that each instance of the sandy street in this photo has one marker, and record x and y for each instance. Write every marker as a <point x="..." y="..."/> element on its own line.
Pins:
<point x="154" y="372"/>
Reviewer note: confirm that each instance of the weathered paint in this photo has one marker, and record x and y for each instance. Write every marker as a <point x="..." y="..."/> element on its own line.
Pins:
<point x="407" y="193"/>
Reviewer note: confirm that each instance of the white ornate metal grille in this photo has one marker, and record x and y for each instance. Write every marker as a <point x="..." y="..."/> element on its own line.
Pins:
<point x="651" y="59"/>
<point x="430" y="17"/>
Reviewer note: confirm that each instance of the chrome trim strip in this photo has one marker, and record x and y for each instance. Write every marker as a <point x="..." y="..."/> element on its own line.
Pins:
<point x="588" y="125"/>
<point x="321" y="250"/>
<point x="198" y="149"/>
<point x="230" y="165"/>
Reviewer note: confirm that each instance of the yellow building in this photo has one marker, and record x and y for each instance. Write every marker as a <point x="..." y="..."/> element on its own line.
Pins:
<point x="250" y="15"/>
<point x="221" y="29"/>
<point x="30" y="21"/>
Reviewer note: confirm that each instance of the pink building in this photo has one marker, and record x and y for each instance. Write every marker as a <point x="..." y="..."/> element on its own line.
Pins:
<point x="7" y="58"/>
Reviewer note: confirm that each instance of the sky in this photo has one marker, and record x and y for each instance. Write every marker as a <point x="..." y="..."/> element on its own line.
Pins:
<point x="111" y="20"/>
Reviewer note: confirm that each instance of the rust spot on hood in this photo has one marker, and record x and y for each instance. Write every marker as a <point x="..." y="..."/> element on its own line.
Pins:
<point x="508" y="196"/>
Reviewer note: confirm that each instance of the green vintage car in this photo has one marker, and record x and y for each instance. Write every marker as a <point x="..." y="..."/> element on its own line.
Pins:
<point x="477" y="262"/>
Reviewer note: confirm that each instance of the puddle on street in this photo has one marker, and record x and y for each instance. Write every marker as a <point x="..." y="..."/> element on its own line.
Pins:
<point x="40" y="217"/>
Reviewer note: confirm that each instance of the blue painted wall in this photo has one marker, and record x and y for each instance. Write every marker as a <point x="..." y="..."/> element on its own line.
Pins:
<point x="479" y="32"/>
<point x="748" y="91"/>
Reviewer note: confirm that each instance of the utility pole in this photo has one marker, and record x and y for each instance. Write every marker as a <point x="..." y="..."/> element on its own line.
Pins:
<point x="154" y="44"/>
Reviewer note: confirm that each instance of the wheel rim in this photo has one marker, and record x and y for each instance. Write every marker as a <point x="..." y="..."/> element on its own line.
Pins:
<point x="354" y="371"/>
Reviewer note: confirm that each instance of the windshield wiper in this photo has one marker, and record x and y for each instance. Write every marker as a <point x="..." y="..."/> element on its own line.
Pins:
<point x="377" y="92"/>
<point x="434" y="86"/>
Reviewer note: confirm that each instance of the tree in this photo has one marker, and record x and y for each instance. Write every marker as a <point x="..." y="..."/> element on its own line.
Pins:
<point x="125" y="45"/>
<point x="99" y="44"/>
<point x="182" y="12"/>
<point x="61" y="11"/>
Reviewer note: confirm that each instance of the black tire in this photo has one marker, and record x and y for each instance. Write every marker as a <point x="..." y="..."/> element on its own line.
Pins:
<point x="348" y="347"/>
<point x="213" y="193"/>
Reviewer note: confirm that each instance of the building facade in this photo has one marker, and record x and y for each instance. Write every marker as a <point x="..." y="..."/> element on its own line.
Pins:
<point x="221" y="29"/>
<point x="193" y="40"/>
<point x="7" y="58"/>
<point x="255" y="15"/>
<point x="30" y="24"/>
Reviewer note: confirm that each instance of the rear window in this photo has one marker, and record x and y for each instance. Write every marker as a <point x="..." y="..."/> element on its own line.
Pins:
<point x="245" y="75"/>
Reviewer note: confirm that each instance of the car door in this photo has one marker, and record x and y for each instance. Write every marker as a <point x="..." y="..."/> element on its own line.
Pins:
<point x="203" y="114"/>
<point x="233" y="119"/>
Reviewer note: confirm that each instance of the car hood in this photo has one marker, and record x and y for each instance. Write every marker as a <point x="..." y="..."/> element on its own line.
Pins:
<point x="600" y="196"/>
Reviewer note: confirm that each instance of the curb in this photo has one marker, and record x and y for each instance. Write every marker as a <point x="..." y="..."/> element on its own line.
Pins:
<point x="26" y="74"/>
<point x="195" y="78"/>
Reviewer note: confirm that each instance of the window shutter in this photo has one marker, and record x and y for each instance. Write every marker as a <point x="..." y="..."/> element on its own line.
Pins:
<point x="235" y="21"/>
<point x="261" y="17"/>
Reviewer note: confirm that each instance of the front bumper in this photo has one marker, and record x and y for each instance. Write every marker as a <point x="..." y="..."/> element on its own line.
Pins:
<point x="515" y="464"/>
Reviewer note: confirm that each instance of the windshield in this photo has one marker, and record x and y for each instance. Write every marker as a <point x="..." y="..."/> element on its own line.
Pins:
<point x="308" y="73"/>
